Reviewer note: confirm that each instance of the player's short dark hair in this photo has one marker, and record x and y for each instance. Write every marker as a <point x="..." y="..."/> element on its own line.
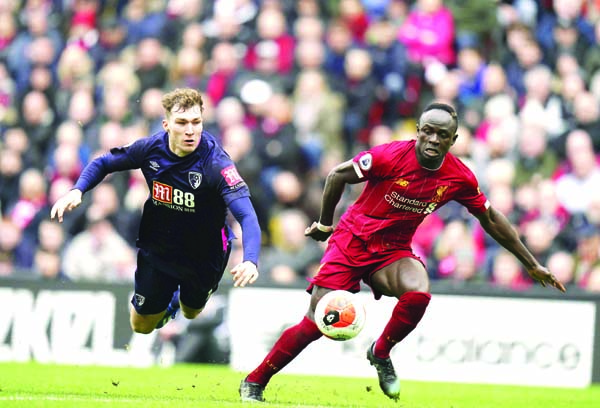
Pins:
<point x="442" y="106"/>
<point x="184" y="98"/>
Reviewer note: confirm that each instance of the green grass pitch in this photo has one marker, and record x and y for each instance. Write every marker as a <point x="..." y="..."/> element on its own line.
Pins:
<point x="31" y="385"/>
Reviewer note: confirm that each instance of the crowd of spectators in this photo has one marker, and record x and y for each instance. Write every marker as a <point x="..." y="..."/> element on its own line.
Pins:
<point x="292" y="88"/>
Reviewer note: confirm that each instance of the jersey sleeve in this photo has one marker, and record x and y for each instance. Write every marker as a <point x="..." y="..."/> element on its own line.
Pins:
<point x="229" y="182"/>
<point x="470" y="195"/>
<point x="372" y="163"/>
<point x="117" y="159"/>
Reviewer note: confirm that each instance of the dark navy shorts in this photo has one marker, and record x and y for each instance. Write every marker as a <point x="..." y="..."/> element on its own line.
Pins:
<point x="156" y="281"/>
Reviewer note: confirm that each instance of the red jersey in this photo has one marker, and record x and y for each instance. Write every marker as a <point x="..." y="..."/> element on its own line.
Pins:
<point x="399" y="193"/>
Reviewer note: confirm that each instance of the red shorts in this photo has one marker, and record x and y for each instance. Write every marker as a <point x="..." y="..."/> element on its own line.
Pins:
<point x="347" y="261"/>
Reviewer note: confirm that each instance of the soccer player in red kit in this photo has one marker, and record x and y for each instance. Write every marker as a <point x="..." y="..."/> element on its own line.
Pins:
<point x="404" y="182"/>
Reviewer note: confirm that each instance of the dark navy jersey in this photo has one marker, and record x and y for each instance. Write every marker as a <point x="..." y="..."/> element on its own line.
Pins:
<point x="184" y="217"/>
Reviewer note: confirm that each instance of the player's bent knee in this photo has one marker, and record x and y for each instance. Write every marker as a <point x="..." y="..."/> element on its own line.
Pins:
<point x="190" y="313"/>
<point x="415" y="282"/>
<point x="141" y="328"/>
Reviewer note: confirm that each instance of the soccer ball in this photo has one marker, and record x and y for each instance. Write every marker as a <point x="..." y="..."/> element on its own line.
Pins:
<point x="340" y="315"/>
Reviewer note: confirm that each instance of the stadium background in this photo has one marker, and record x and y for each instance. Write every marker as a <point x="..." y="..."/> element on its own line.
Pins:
<point x="293" y="87"/>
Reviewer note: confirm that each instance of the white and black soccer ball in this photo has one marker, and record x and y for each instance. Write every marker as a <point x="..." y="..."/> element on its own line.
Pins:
<point x="340" y="315"/>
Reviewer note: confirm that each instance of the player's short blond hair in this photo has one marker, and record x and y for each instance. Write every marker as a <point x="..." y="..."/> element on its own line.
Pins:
<point x="183" y="98"/>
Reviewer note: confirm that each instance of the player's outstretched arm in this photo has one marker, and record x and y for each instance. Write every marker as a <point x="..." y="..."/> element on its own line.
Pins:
<point x="499" y="228"/>
<point x="244" y="274"/>
<point x="335" y="184"/>
<point x="67" y="202"/>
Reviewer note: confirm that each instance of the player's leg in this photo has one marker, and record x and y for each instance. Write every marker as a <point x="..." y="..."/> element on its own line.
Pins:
<point x="154" y="292"/>
<point x="195" y="291"/>
<point x="407" y="280"/>
<point x="289" y="345"/>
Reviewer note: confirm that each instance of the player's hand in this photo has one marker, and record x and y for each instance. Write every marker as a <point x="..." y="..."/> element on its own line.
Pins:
<point x="67" y="202"/>
<point x="318" y="234"/>
<point x="244" y="274"/>
<point x="544" y="277"/>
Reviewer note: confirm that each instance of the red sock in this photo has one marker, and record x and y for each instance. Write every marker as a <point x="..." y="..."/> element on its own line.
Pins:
<point x="406" y="315"/>
<point x="291" y="342"/>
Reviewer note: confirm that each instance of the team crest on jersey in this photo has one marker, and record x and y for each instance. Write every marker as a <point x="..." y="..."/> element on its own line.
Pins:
<point x="195" y="179"/>
<point x="402" y="182"/>
<point x="365" y="162"/>
<point x="439" y="194"/>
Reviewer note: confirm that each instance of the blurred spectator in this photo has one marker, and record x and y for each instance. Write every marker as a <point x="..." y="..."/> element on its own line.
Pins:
<point x="39" y="43"/>
<point x="82" y="110"/>
<point x="563" y="27"/>
<point x="357" y="88"/>
<point x="11" y="166"/>
<point x="275" y="140"/>
<point x="539" y="236"/>
<point x="534" y="159"/>
<point x="587" y="254"/>
<point x="38" y="120"/>
<point x="574" y="188"/>
<point x="31" y="198"/>
<point x="292" y="255"/>
<point x="562" y="265"/>
<point x="317" y="115"/>
<point x="541" y="102"/>
<point x="471" y="68"/>
<point x="390" y="67"/>
<point x="8" y="32"/>
<point x="586" y="115"/>
<point x="458" y="254"/>
<point x="475" y="21"/>
<point x="8" y="94"/>
<point x="506" y="272"/>
<point x="352" y="14"/>
<point x="143" y="19"/>
<point x="112" y="38"/>
<point x="428" y="33"/>
<point x="528" y="55"/>
<point x="151" y="109"/>
<point x="99" y="254"/>
<point x="224" y="66"/>
<point x="274" y="39"/>
<point x="338" y="39"/>
<point x="47" y="257"/>
<point x="188" y="68"/>
<point x="16" y="253"/>
<point x="151" y="69"/>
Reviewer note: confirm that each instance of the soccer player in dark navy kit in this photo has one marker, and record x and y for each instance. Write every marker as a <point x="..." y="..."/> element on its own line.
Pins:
<point x="184" y="241"/>
<point x="405" y="181"/>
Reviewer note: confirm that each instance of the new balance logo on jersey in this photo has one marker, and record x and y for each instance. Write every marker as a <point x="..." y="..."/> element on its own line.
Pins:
<point x="195" y="179"/>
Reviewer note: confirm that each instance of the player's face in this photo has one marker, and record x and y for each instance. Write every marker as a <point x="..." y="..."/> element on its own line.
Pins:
<point x="184" y="128"/>
<point x="436" y="133"/>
